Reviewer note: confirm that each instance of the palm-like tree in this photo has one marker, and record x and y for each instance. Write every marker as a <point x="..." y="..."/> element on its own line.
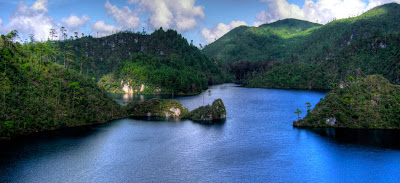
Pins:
<point x="298" y="112"/>
<point x="63" y="32"/>
<point x="53" y="33"/>
<point x="308" y="106"/>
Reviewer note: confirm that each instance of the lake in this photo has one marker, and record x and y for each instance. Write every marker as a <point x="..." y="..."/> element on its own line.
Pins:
<point x="257" y="143"/>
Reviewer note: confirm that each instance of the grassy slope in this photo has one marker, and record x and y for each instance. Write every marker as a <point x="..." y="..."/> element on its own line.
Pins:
<point x="38" y="95"/>
<point x="370" y="102"/>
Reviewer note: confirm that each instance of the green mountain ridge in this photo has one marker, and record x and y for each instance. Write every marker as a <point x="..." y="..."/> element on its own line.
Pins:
<point x="290" y="26"/>
<point x="319" y="57"/>
<point x="255" y="43"/>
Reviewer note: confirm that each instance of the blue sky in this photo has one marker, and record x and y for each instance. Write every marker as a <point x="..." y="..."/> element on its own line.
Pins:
<point x="202" y="21"/>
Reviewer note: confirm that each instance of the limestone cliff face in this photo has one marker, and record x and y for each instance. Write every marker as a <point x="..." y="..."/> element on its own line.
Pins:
<point x="127" y="89"/>
<point x="370" y="102"/>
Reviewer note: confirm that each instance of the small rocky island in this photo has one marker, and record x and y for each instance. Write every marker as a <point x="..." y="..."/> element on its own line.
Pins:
<point x="209" y="114"/>
<point x="215" y="113"/>
<point x="364" y="103"/>
<point x="157" y="108"/>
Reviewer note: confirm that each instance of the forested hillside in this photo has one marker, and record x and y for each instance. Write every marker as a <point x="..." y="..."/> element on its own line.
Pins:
<point x="256" y="43"/>
<point x="162" y="62"/>
<point x="322" y="56"/>
<point x="38" y="94"/>
<point x="364" y="102"/>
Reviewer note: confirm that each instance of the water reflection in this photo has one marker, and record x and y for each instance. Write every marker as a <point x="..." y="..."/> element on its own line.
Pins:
<point x="157" y="119"/>
<point x="372" y="138"/>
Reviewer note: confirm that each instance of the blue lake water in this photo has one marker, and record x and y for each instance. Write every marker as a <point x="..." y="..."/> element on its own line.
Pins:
<point x="257" y="143"/>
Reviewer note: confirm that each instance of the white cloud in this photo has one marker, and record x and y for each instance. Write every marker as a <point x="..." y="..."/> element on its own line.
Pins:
<point x="374" y="3"/>
<point x="124" y="17"/>
<point x="31" y="20"/>
<point x="321" y="11"/>
<point x="40" y="5"/>
<point x="210" y="35"/>
<point x="73" y="22"/>
<point x="178" y="14"/>
<point x="102" y="28"/>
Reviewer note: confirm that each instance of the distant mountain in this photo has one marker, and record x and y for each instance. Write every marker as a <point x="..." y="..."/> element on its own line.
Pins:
<point x="366" y="102"/>
<point x="318" y="57"/>
<point x="255" y="43"/>
<point x="162" y="62"/>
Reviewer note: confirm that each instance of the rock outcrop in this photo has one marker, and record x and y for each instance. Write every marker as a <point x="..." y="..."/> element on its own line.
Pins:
<point x="215" y="113"/>
<point x="209" y="114"/>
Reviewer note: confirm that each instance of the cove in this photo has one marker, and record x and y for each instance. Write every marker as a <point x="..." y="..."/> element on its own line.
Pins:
<point x="257" y="143"/>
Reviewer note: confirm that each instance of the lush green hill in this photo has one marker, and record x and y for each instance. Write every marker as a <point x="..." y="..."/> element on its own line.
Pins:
<point x="290" y="26"/>
<point x="38" y="94"/>
<point x="255" y="43"/>
<point x="320" y="57"/>
<point x="162" y="62"/>
<point x="370" y="102"/>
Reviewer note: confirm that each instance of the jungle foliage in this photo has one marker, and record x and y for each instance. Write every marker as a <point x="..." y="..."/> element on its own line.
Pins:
<point x="38" y="94"/>
<point x="366" y="102"/>
<point x="164" y="62"/>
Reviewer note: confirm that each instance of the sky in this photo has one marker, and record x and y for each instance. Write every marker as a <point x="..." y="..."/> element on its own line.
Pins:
<point x="202" y="21"/>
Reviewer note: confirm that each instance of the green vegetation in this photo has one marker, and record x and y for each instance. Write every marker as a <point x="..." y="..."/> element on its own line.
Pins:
<point x="157" y="108"/>
<point x="38" y="94"/>
<point x="256" y="43"/>
<point x="298" y="112"/>
<point x="313" y="57"/>
<point x="368" y="102"/>
<point x="55" y="84"/>
<point x="172" y="108"/>
<point x="162" y="62"/>
<point x="209" y="114"/>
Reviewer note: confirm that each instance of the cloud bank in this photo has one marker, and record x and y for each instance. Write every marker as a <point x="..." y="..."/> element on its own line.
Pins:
<point x="177" y="14"/>
<point x="321" y="11"/>
<point x="31" y="20"/>
<point x="182" y="15"/>
<point x="100" y="28"/>
<point x="124" y="17"/>
<point x="73" y="22"/>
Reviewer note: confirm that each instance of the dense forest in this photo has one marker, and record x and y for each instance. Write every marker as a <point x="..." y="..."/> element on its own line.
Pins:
<point x="38" y="94"/>
<point x="310" y="56"/>
<point x="362" y="102"/>
<point x="162" y="62"/>
<point x="55" y="84"/>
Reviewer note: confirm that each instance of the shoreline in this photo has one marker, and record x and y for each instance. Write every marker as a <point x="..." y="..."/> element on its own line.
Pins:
<point x="34" y="133"/>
